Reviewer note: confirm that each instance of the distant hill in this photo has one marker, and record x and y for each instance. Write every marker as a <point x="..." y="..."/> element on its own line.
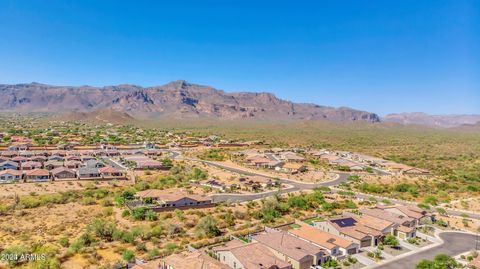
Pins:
<point x="442" y="121"/>
<point x="106" y="115"/>
<point x="175" y="100"/>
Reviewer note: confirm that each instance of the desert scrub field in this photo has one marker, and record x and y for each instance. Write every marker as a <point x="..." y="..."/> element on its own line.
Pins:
<point x="92" y="228"/>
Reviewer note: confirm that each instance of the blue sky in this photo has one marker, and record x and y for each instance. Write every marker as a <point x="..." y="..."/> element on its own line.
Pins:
<point x="380" y="56"/>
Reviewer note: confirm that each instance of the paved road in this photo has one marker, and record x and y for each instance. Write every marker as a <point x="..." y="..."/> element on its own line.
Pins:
<point x="454" y="244"/>
<point x="342" y="177"/>
<point x="295" y="186"/>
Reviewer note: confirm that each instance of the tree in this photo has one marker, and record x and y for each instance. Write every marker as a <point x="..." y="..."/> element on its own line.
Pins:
<point x="391" y="240"/>
<point x="441" y="261"/>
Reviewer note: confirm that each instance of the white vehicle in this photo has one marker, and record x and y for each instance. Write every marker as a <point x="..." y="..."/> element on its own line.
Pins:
<point x="316" y="267"/>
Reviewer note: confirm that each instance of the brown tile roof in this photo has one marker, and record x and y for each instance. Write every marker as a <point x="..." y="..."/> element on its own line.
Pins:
<point x="295" y="166"/>
<point x="108" y="169"/>
<point x="37" y="172"/>
<point x="320" y="238"/>
<point x="405" y="229"/>
<point x="192" y="260"/>
<point x="287" y="244"/>
<point x="257" y="256"/>
<point x="374" y="222"/>
<point x="170" y="195"/>
<point x="11" y="172"/>
<point x="61" y="169"/>
<point x="385" y="215"/>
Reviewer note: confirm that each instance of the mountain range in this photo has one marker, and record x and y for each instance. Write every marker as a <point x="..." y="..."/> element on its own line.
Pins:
<point x="441" y="121"/>
<point x="175" y="100"/>
<point x="182" y="100"/>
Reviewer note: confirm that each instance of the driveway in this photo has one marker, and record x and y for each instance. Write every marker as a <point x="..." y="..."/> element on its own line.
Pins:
<point x="454" y="244"/>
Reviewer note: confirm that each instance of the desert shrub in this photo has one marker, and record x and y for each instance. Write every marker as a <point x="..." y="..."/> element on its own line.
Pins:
<point x="207" y="227"/>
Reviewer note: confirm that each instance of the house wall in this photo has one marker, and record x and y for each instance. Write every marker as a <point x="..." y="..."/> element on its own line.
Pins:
<point x="226" y="257"/>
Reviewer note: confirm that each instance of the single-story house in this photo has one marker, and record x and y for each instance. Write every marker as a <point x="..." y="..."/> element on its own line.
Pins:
<point x="30" y="165"/>
<point x="248" y="256"/>
<point x="109" y="172"/>
<point x="188" y="260"/>
<point x="293" y="168"/>
<point x="63" y="173"/>
<point x="350" y="229"/>
<point x="20" y="159"/>
<point x="173" y="198"/>
<point x="335" y="246"/>
<point x="94" y="164"/>
<point x="10" y="175"/>
<point x="299" y="253"/>
<point x="37" y="175"/>
<point x="88" y="173"/>
<point x="9" y="154"/>
<point x="49" y="165"/>
<point x="9" y="165"/>
<point x="72" y="164"/>
<point x="56" y="158"/>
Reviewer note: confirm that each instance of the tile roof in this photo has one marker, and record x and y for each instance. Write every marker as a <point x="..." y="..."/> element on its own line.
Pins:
<point x="287" y="244"/>
<point x="193" y="260"/>
<point x="11" y="172"/>
<point x="257" y="256"/>
<point x="320" y="238"/>
<point x="171" y="195"/>
<point x="60" y="170"/>
<point x="37" y="172"/>
<point x="385" y="215"/>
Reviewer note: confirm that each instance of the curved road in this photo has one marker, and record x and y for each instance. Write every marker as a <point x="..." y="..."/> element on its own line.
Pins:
<point x="454" y="243"/>
<point x="295" y="185"/>
<point x="342" y="177"/>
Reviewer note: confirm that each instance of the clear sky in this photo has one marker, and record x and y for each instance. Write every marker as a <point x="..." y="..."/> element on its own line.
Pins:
<point x="380" y="56"/>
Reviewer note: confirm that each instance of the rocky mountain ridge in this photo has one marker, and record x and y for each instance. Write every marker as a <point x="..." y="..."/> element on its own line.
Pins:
<point x="177" y="100"/>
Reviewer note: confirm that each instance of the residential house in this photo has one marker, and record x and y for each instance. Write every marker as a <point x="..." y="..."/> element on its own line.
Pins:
<point x="10" y="175"/>
<point x="293" y="168"/>
<point x="39" y="158"/>
<point x="9" y="165"/>
<point x="415" y="171"/>
<point x="9" y="154"/>
<point x="406" y="225"/>
<point x="85" y="158"/>
<point x="350" y="229"/>
<point x="190" y="260"/>
<point x="63" y="173"/>
<point x="299" y="253"/>
<point x="109" y="172"/>
<point x="173" y="198"/>
<point x="20" y="159"/>
<point x="26" y="154"/>
<point x="19" y="146"/>
<point x="37" y="175"/>
<point x="30" y="165"/>
<point x="410" y="211"/>
<point x="72" y="164"/>
<point x="94" y="164"/>
<point x="61" y="153"/>
<point x="335" y="246"/>
<point x="248" y="256"/>
<point x="383" y="226"/>
<point x="88" y="173"/>
<point x="49" y="165"/>
<point x="291" y="157"/>
<point x="56" y="158"/>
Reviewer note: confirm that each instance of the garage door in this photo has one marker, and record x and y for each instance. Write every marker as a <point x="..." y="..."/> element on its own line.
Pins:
<point x="365" y="243"/>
